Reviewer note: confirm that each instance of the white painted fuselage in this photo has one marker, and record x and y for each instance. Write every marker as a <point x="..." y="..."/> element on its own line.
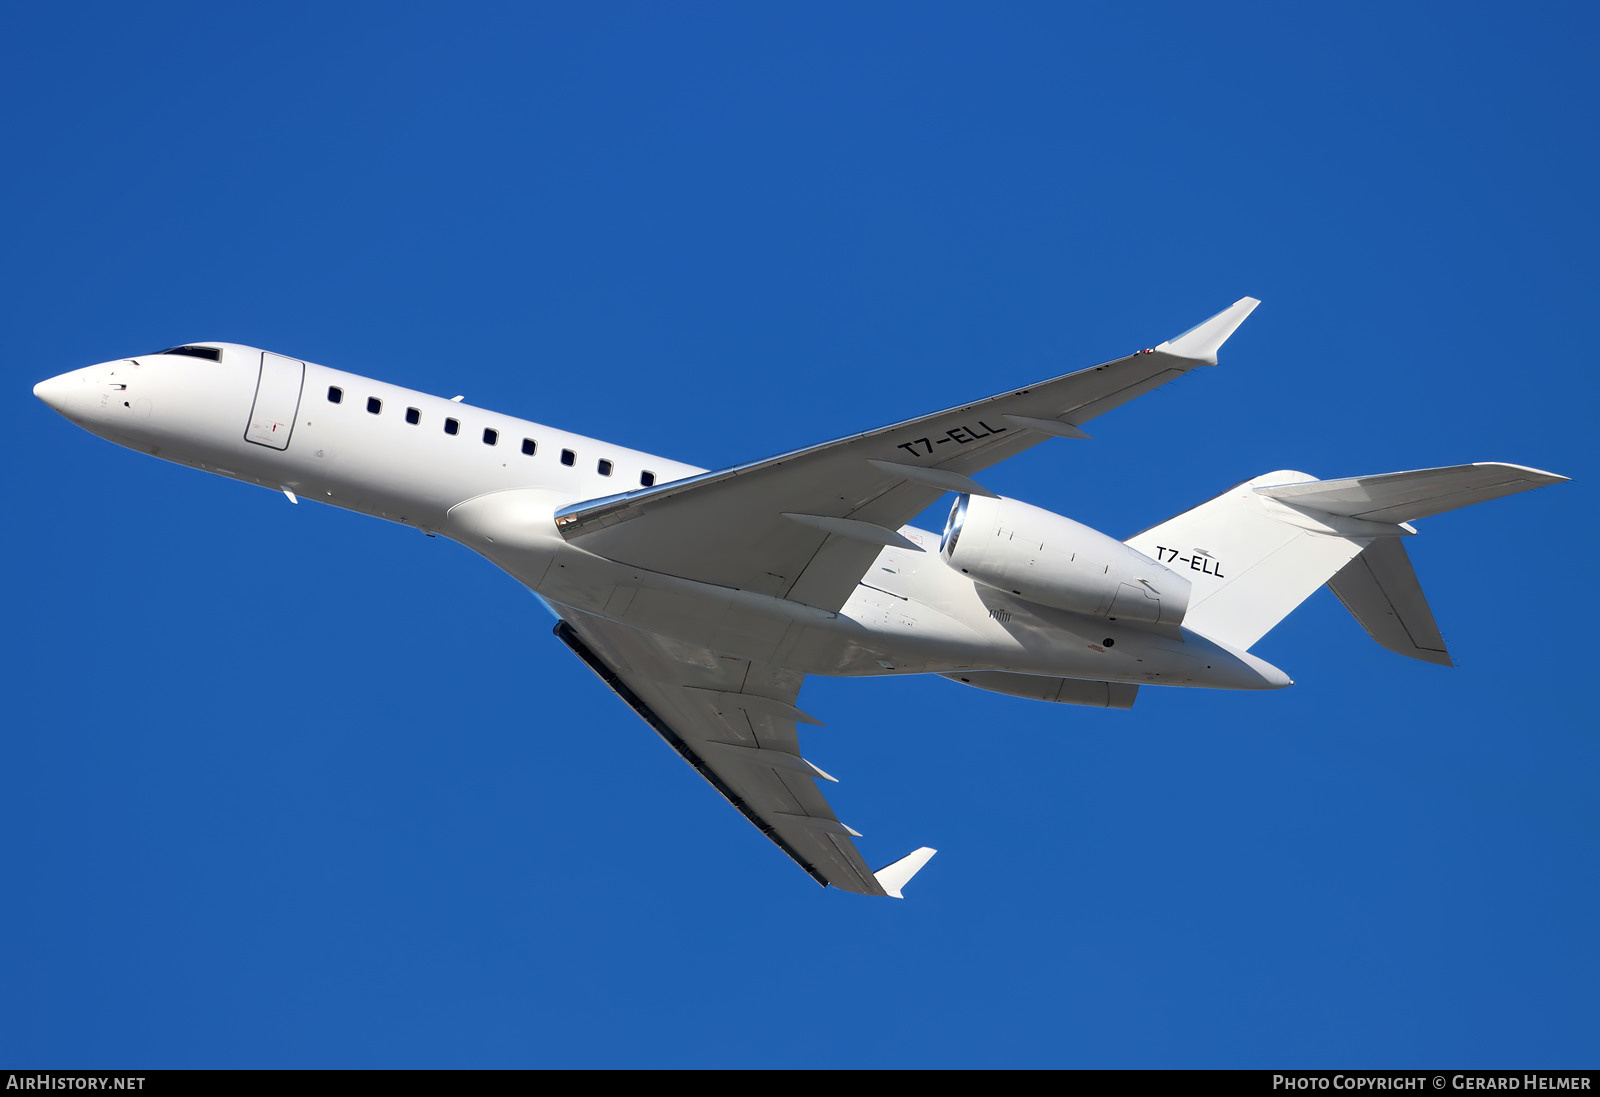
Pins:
<point x="386" y="451"/>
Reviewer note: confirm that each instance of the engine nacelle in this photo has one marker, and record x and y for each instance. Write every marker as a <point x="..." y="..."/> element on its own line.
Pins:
<point x="1057" y="562"/>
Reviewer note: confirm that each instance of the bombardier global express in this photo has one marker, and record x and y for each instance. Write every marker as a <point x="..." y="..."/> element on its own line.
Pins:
<point x="703" y="599"/>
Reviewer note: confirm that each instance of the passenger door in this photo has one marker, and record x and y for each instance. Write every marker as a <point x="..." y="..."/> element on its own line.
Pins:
<point x="277" y="401"/>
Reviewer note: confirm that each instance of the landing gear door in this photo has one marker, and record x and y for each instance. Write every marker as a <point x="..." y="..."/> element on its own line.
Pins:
<point x="277" y="401"/>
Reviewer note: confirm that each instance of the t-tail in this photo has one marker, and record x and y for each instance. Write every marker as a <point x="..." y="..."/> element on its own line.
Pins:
<point x="1259" y="549"/>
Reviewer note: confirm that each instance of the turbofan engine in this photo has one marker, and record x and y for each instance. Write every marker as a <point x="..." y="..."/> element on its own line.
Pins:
<point x="1055" y="561"/>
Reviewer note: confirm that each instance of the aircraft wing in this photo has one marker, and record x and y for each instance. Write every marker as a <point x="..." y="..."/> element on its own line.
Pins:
<point x="806" y="525"/>
<point x="734" y="721"/>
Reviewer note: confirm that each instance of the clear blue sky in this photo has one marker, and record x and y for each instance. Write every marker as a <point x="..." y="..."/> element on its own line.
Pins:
<point x="285" y="786"/>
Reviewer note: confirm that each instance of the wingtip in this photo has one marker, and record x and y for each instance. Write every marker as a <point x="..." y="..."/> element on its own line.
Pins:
<point x="1201" y="342"/>
<point x="1537" y="476"/>
<point x="896" y="876"/>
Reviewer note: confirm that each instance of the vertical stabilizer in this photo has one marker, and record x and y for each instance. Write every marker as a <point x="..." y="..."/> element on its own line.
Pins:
<point x="1252" y="560"/>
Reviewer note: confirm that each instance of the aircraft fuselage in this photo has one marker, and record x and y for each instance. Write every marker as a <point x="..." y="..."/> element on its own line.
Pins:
<point x="493" y="482"/>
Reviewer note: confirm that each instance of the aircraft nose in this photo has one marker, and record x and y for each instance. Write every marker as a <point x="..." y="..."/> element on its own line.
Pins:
<point x="57" y="392"/>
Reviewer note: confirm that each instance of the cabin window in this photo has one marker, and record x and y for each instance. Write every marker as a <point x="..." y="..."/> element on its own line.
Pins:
<point x="568" y="457"/>
<point x="413" y="416"/>
<point x="604" y="467"/>
<point x="374" y="405"/>
<point x="490" y="436"/>
<point x="335" y="394"/>
<point x="647" y="479"/>
<point x="452" y="426"/>
<point x="529" y="446"/>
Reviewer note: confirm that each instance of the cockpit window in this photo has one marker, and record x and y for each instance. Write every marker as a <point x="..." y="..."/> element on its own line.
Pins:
<point x="212" y="353"/>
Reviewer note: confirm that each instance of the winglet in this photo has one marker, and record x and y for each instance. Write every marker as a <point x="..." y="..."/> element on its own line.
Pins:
<point x="896" y="876"/>
<point x="1202" y="341"/>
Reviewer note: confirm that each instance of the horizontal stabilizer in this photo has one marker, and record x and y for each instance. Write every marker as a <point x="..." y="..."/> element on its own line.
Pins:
<point x="1202" y="341"/>
<point x="1406" y="496"/>
<point x="896" y="876"/>
<point x="1380" y="589"/>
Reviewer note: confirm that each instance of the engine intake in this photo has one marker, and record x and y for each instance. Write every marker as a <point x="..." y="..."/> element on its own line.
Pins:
<point x="1054" y="561"/>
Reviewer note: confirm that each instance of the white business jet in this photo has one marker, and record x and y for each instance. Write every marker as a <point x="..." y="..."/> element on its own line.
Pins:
<point x="703" y="599"/>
